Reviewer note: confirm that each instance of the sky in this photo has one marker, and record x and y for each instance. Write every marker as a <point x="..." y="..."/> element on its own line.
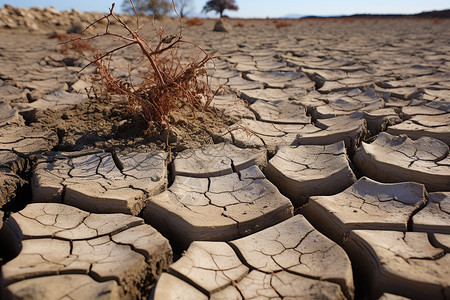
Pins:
<point x="266" y="8"/>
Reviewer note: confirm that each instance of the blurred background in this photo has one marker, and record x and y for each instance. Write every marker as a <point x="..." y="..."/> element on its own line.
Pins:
<point x="258" y="8"/>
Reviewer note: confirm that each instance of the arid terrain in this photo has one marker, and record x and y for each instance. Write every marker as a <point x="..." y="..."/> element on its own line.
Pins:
<point x="321" y="169"/>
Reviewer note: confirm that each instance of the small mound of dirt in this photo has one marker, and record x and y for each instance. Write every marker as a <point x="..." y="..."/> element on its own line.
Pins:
<point x="110" y="125"/>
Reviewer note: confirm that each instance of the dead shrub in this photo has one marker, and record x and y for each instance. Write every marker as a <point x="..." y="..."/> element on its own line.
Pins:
<point x="77" y="45"/>
<point x="349" y="20"/>
<point x="437" y="21"/>
<point x="281" y="23"/>
<point x="176" y="77"/>
<point x="195" y="22"/>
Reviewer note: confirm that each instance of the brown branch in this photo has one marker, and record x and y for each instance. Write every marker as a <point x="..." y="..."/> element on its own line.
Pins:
<point x="137" y="17"/>
<point x="105" y="55"/>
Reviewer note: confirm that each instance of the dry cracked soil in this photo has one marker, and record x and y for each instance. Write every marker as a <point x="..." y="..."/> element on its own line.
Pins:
<point x="321" y="172"/>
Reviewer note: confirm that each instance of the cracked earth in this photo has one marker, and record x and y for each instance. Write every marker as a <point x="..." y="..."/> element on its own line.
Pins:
<point x="326" y="175"/>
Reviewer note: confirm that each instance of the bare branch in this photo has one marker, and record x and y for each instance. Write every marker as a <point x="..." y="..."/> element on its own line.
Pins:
<point x="106" y="54"/>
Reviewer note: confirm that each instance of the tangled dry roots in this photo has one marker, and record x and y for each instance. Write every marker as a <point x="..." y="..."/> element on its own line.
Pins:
<point x="169" y="83"/>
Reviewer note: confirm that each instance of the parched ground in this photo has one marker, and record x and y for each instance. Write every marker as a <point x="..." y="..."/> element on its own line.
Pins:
<point x="321" y="172"/>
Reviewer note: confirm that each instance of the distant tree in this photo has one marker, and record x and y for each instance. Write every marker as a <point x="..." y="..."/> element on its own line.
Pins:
<point x="183" y="7"/>
<point x="157" y="8"/>
<point x="219" y="6"/>
<point x="139" y="5"/>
